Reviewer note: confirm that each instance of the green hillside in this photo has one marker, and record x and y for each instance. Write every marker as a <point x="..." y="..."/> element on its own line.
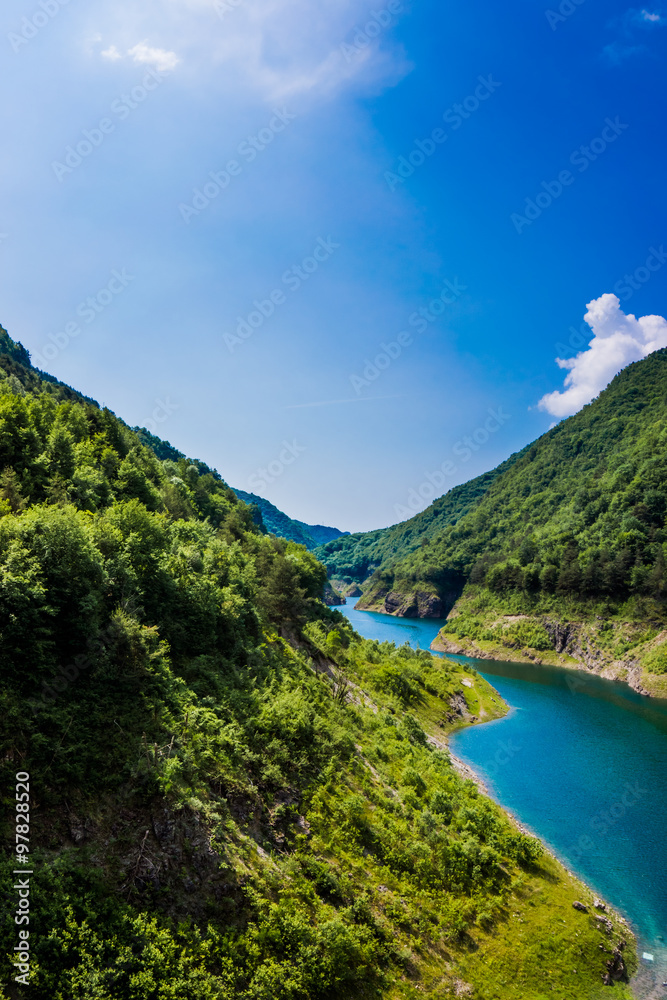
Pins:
<point x="352" y="559"/>
<point x="265" y="514"/>
<point x="231" y="795"/>
<point x="573" y="528"/>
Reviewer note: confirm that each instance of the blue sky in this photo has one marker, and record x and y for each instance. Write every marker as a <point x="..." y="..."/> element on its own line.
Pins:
<point x="239" y="322"/>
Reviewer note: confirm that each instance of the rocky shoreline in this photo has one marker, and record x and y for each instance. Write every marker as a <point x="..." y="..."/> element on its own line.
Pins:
<point x="575" y="643"/>
<point x="628" y="672"/>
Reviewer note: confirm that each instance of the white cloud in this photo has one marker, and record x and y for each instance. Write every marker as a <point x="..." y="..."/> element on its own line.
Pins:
<point x="640" y="18"/>
<point x="618" y="341"/>
<point x="111" y="53"/>
<point x="628" y="25"/>
<point x="159" y="59"/>
<point x="280" y="49"/>
<point x="274" y="50"/>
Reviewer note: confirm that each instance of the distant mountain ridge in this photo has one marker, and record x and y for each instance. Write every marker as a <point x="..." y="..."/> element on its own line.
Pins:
<point x="279" y="523"/>
<point x="274" y="520"/>
<point x="354" y="559"/>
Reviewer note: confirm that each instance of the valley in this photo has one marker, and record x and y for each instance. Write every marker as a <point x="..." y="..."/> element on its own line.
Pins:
<point x="235" y="793"/>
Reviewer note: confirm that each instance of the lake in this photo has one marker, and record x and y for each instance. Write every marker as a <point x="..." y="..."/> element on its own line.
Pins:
<point x="580" y="761"/>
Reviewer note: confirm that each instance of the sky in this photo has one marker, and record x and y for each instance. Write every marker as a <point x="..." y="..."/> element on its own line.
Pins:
<point x="342" y="252"/>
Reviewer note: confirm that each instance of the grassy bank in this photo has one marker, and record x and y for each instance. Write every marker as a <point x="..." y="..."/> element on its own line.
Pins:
<point x="619" y="641"/>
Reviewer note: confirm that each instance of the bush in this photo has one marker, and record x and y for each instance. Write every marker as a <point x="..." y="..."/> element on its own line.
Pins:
<point x="656" y="660"/>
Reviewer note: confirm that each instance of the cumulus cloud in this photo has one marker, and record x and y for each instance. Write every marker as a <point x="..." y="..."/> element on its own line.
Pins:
<point x="618" y="341"/>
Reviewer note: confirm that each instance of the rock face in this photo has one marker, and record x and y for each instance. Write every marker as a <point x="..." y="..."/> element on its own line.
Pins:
<point x="459" y="709"/>
<point x="331" y="597"/>
<point x="615" y="966"/>
<point x="580" y="906"/>
<point x="576" y="640"/>
<point x="415" y="605"/>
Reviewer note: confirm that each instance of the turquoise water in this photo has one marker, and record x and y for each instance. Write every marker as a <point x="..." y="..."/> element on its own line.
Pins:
<point x="581" y="761"/>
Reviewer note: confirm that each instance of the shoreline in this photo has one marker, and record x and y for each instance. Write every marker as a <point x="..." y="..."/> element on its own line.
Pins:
<point x="646" y="974"/>
<point x="623" y="673"/>
<point x="627" y="672"/>
<point x="645" y="984"/>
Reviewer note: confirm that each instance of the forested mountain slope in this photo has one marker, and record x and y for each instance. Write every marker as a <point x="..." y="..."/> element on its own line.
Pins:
<point x="231" y="795"/>
<point x="279" y="523"/>
<point x="265" y="514"/>
<point x="354" y="558"/>
<point x="572" y="530"/>
<point x="581" y="512"/>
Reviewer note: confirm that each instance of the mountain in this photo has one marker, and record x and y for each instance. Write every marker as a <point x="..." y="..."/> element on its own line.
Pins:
<point x="354" y="559"/>
<point x="278" y="523"/>
<point x="267" y="515"/>
<point x="213" y="787"/>
<point x="569" y="532"/>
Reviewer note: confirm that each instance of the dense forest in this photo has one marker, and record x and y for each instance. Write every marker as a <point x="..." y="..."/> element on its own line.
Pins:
<point x="232" y="795"/>
<point x="580" y="514"/>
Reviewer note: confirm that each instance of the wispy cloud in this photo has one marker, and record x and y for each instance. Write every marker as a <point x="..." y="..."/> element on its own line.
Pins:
<point x="647" y="18"/>
<point x="617" y="52"/>
<point x="618" y="341"/>
<point x="111" y="53"/>
<point x="273" y="50"/>
<point x="160" y="59"/>
<point x="635" y="21"/>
